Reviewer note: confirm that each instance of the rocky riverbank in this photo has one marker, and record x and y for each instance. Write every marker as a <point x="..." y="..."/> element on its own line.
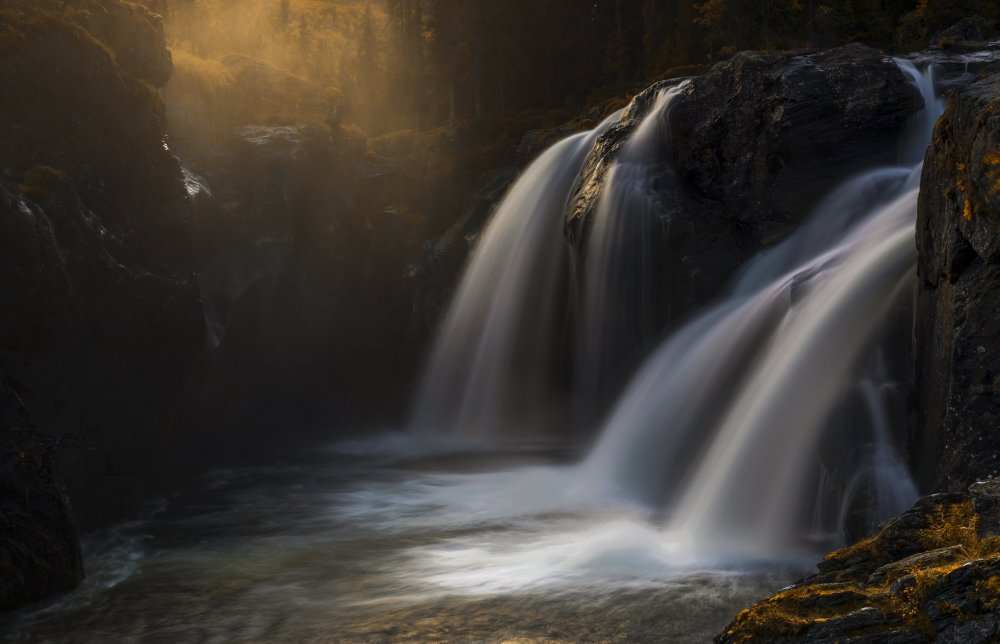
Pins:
<point x="931" y="574"/>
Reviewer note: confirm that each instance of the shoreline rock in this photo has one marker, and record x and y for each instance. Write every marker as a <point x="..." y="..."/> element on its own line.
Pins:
<point x="931" y="574"/>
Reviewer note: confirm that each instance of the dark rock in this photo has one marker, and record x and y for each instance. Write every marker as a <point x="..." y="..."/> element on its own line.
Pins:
<point x="982" y="629"/>
<point x="972" y="29"/>
<point x="304" y="275"/>
<point x="986" y="504"/>
<point x="898" y="539"/>
<point x="39" y="552"/>
<point x="957" y="355"/>
<point x="764" y="136"/>
<point x="131" y="31"/>
<point x="88" y="102"/>
<point x="602" y="157"/>
<point x="890" y="572"/>
<point x="947" y="591"/>
<point x="102" y="337"/>
<point x="963" y="593"/>
<point x="840" y="627"/>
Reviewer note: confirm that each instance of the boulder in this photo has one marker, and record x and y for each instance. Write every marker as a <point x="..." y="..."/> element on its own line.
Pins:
<point x="39" y="551"/>
<point x="928" y="575"/>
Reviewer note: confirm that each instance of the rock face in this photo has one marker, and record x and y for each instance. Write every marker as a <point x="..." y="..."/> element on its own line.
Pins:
<point x="102" y="335"/>
<point x="305" y="280"/>
<point x="931" y="574"/>
<point x="763" y="137"/>
<point x="955" y="438"/>
<point x="39" y="553"/>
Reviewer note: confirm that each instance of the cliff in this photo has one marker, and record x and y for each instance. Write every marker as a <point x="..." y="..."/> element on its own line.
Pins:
<point x="955" y="439"/>
<point x="102" y="332"/>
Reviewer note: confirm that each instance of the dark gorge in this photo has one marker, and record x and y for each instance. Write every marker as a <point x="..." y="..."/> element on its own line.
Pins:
<point x="333" y="320"/>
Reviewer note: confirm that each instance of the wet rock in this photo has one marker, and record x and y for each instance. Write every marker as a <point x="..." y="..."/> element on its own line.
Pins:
<point x="890" y="572"/>
<point x="840" y="627"/>
<point x="986" y="503"/>
<point x="954" y="441"/>
<point x="764" y="136"/>
<point x="947" y="591"/>
<point x="39" y="552"/>
<point x="983" y="629"/>
<point x="304" y="276"/>
<point x="967" y="30"/>
<point x="898" y="539"/>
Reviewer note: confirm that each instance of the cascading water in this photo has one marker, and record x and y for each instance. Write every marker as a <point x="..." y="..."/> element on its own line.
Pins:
<point x="489" y="372"/>
<point x="917" y="135"/>
<point x="750" y="481"/>
<point x="620" y="298"/>
<point x="721" y="427"/>
<point x="766" y="420"/>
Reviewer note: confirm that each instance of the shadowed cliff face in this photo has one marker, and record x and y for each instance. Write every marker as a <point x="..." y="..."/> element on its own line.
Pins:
<point x="39" y="553"/>
<point x="103" y="329"/>
<point x="955" y="440"/>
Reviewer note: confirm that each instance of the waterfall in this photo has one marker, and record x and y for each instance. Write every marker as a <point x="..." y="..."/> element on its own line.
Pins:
<point x="917" y="135"/>
<point x="750" y="481"/>
<point x="620" y="299"/>
<point x="489" y="374"/>
<point x="722" y="426"/>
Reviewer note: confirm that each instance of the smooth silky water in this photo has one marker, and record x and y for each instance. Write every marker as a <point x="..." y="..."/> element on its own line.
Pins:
<point x="707" y="489"/>
<point x="352" y="545"/>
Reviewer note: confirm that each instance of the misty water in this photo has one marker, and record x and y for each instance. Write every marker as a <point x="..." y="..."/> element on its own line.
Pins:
<point x="711" y="484"/>
<point x="355" y="544"/>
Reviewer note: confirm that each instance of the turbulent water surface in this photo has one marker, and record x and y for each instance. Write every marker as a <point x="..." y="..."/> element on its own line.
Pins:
<point x="351" y="545"/>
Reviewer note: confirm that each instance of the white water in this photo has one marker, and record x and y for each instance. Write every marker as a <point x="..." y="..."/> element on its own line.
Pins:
<point x="744" y="393"/>
<point x="489" y="372"/>
<point x="718" y="436"/>
<point x="917" y="136"/>
<point x="621" y="283"/>
<point x="752" y="478"/>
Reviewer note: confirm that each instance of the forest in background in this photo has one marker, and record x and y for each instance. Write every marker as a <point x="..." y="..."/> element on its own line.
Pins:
<point x="390" y="65"/>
